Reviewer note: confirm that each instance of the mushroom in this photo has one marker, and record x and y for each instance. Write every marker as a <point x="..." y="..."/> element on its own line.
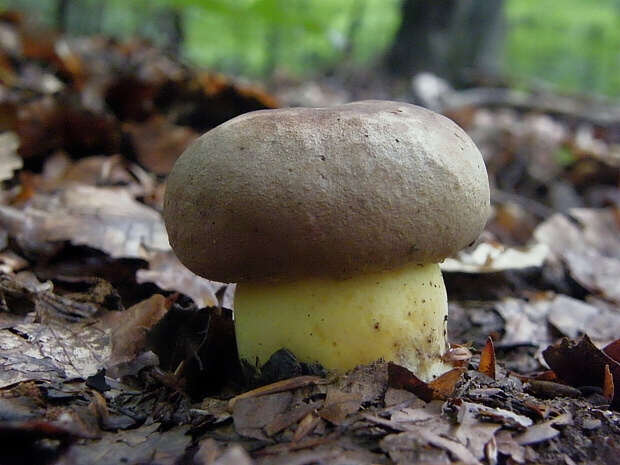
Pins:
<point x="332" y="222"/>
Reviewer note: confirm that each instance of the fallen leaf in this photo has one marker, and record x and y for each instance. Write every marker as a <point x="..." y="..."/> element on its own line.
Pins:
<point x="279" y="386"/>
<point x="608" y="385"/>
<point x="107" y="219"/>
<point x="440" y="388"/>
<point x="526" y="322"/>
<point x="290" y="417"/>
<point x="141" y="445"/>
<point x="338" y="405"/>
<point x="487" y="257"/>
<point x="581" y="363"/>
<point x="170" y="274"/>
<point x="488" y="365"/>
<point x="129" y="328"/>
<point x="9" y="160"/>
<point x="499" y="415"/>
<point x="401" y="378"/>
<point x="158" y="142"/>
<point x="424" y="437"/>
<point x="542" y="432"/>
<point x="613" y="350"/>
<point x="590" y="248"/>
<point x="252" y="414"/>
<point x="573" y="317"/>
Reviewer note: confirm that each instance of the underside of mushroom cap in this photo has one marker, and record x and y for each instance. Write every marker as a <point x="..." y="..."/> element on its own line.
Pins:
<point x="328" y="192"/>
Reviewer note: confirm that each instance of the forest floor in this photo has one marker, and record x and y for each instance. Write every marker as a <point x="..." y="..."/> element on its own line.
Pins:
<point x="112" y="352"/>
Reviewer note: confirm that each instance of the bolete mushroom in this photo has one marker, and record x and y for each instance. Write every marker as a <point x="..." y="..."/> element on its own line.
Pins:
<point x="332" y="222"/>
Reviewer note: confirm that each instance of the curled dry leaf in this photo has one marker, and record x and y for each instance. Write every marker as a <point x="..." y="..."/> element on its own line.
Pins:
<point x="493" y="257"/>
<point x="580" y="363"/>
<point x="107" y="219"/>
<point x="543" y="431"/>
<point x="573" y="317"/>
<point x="158" y="142"/>
<point x="441" y="388"/>
<point x="9" y="160"/>
<point x="59" y="338"/>
<point x="170" y="274"/>
<point x="129" y="328"/>
<point x="590" y="246"/>
<point x="488" y="365"/>
<point x="252" y="414"/>
<point x="526" y="322"/>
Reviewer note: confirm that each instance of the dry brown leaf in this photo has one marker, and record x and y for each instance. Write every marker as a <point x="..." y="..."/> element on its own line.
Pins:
<point x="509" y="447"/>
<point x="420" y="437"/>
<point x="59" y="171"/>
<point x="613" y="350"/>
<point x="170" y="274"/>
<point x="108" y="219"/>
<point x="444" y="386"/>
<point x="574" y="317"/>
<point x="590" y="248"/>
<point x="58" y="338"/>
<point x="581" y="363"/>
<point x="9" y="160"/>
<point x="252" y="414"/>
<point x="488" y="365"/>
<point x="234" y="455"/>
<point x="306" y="427"/>
<point x="77" y="350"/>
<point x="338" y="405"/>
<point x="440" y="388"/>
<point x="493" y="257"/>
<point x="540" y="432"/>
<point x="129" y="328"/>
<point x="499" y="415"/>
<point x="141" y="445"/>
<point x="286" y="419"/>
<point x="158" y="143"/>
<point x="526" y="322"/>
<point x="609" y="390"/>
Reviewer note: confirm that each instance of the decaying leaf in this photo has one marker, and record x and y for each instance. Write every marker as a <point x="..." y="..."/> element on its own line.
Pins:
<point x="338" y="405"/>
<point x="543" y="431"/>
<point x="141" y="445"/>
<point x="590" y="246"/>
<point x="401" y="378"/>
<point x="526" y="322"/>
<point x="252" y="414"/>
<point x="580" y="363"/>
<point x="488" y="365"/>
<point x="573" y="317"/>
<point x="170" y="274"/>
<point x="129" y="328"/>
<point x="158" y="142"/>
<point x="58" y="338"/>
<point x="9" y="160"/>
<point x="492" y="257"/>
<point x="107" y="219"/>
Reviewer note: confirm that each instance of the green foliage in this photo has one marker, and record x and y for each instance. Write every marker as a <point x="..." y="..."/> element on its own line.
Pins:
<point x="574" y="44"/>
<point x="256" y="37"/>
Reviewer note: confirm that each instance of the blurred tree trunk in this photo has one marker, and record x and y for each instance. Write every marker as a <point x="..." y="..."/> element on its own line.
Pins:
<point x="455" y="39"/>
<point x="78" y="17"/>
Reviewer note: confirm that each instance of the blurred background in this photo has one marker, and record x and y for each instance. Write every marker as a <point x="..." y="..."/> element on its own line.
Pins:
<point x="560" y="45"/>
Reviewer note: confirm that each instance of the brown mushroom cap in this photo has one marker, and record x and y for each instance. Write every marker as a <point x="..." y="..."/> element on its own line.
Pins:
<point x="325" y="192"/>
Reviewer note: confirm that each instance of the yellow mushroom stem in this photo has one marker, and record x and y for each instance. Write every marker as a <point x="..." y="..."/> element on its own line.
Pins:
<point x="399" y="316"/>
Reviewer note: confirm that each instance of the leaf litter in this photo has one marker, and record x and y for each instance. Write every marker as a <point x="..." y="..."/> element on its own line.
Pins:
<point x="111" y="351"/>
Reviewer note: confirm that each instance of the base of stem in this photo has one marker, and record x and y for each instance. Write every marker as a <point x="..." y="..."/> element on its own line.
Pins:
<point x="399" y="316"/>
